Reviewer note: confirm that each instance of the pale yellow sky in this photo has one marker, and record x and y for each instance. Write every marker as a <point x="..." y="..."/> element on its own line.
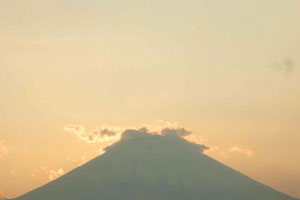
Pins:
<point x="227" y="70"/>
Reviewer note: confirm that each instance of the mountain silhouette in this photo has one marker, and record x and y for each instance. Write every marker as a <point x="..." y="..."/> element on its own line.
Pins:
<point x="2" y="196"/>
<point x="145" y="166"/>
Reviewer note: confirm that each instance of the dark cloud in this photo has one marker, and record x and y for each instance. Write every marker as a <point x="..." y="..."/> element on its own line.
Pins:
<point x="287" y="65"/>
<point x="132" y="133"/>
<point x="108" y="132"/>
<point x="181" y="132"/>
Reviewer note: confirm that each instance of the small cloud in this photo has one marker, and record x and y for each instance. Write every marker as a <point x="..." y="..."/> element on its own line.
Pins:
<point x="60" y="171"/>
<point x="197" y="139"/>
<point x="33" y="174"/>
<point x="3" y="148"/>
<point x="83" y="157"/>
<point x="43" y="167"/>
<point x="192" y="28"/>
<point x="286" y="65"/>
<point x="46" y="172"/>
<point x="53" y="174"/>
<point x="100" y="151"/>
<point x="244" y="150"/>
<point x="236" y="148"/>
<point x="249" y="152"/>
<point x="211" y="149"/>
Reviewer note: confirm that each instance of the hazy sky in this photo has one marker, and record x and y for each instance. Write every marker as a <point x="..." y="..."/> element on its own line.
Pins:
<point x="227" y="70"/>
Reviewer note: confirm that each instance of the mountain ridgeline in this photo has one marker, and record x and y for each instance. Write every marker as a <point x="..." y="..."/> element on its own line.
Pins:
<point x="144" y="166"/>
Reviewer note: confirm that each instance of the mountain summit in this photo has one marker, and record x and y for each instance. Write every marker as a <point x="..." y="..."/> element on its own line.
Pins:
<point x="145" y="166"/>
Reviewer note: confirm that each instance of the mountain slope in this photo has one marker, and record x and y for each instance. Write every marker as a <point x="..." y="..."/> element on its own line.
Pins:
<point x="2" y="196"/>
<point x="148" y="167"/>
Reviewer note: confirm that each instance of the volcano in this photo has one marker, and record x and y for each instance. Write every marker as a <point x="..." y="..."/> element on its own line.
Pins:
<point x="145" y="166"/>
<point x="2" y="196"/>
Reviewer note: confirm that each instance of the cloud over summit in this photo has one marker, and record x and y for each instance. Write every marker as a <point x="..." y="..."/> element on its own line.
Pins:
<point x="167" y="136"/>
<point x="181" y="132"/>
<point x="111" y="135"/>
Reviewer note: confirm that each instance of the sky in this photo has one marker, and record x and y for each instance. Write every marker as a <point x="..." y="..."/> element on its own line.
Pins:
<point x="228" y="71"/>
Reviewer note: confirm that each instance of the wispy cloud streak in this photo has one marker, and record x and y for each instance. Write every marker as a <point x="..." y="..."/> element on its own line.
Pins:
<point x="97" y="135"/>
<point x="240" y="149"/>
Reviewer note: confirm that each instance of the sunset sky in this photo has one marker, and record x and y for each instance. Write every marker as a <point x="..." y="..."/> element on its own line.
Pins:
<point x="229" y="71"/>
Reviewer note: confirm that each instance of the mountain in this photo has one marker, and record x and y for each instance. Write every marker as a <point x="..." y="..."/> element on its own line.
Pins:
<point x="144" y="166"/>
<point x="2" y="196"/>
